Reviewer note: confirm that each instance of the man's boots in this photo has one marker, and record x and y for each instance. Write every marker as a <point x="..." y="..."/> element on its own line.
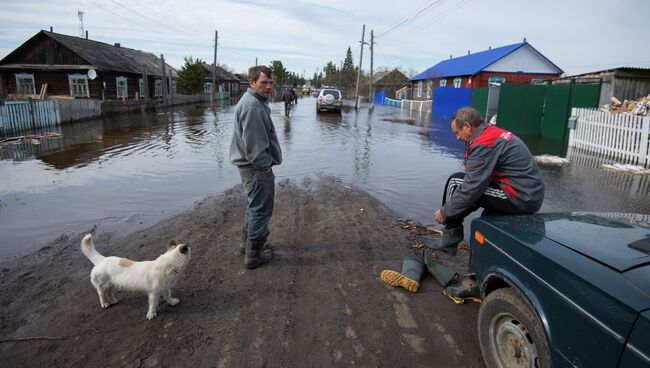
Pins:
<point x="412" y="269"/>
<point x="256" y="255"/>
<point x="463" y="288"/>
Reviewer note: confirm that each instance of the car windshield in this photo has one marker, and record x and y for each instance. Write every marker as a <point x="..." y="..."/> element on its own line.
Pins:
<point x="332" y="93"/>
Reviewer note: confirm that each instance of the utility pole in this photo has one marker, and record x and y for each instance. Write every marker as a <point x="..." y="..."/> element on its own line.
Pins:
<point x="82" y="32"/>
<point x="356" y="92"/>
<point x="341" y="75"/>
<point x="371" y="96"/>
<point x="162" y="82"/>
<point x="255" y="61"/>
<point x="214" y="67"/>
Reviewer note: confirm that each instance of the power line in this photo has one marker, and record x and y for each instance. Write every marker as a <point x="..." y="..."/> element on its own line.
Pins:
<point x="408" y="20"/>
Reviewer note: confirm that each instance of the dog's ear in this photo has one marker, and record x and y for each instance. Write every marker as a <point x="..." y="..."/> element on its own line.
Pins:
<point x="172" y="244"/>
<point x="184" y="248"/>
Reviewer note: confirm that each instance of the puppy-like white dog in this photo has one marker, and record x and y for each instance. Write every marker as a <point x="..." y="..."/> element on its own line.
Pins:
<point x="155" y="278"/>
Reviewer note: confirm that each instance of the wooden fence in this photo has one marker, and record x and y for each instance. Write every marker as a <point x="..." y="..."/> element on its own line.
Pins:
<point x="77" y="109"/>
<point x="20" y="115"/>
<point x="619" y="137"/>
<point x="391" y="102"/>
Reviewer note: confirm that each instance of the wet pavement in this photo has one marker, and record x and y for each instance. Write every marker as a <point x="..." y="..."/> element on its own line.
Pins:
<point x="126" y="172"/>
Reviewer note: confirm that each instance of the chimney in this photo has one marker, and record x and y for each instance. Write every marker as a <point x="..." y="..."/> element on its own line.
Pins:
<point x="524" y="39"/>
<point x="86" y="34"/>
<point x="117" y="44"/>
<point x="467" y="52"/>
<point x="451" y="57"/>
<point x="489" y="47"/>
<point x="51" y="29"/>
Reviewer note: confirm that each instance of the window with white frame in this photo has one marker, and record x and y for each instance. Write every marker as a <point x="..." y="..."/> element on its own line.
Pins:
<point x="122" y="88"/>
<point x="457" y="82"/>
<point x="141" y="87"/>
<point x="429" y="87"/>
<point x="496" y="80"/>
<point x="443" y="83"/>
<point x="78" y="85"/>
<point x="420" y="88"/>
<point x="207" y="87"/>
<point x="25" y="84"/>
<point x="537" y="80"/>
<point x="157" y="88"/>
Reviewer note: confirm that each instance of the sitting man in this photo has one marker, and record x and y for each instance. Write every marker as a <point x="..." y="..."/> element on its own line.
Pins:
<point x="500" y="176"/>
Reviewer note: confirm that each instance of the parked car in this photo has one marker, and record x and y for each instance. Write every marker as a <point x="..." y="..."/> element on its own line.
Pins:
<point x="305" y="90"/>
<point x="329" y="99"/>
<point x="562" y="290"/>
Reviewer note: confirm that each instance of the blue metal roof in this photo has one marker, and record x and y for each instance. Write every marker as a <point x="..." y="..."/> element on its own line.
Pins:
<point x="470" y="64"/>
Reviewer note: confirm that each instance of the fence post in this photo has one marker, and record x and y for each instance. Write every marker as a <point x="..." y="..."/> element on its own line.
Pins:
<point x="645" y="132"/>
<point x="572" y="128"/>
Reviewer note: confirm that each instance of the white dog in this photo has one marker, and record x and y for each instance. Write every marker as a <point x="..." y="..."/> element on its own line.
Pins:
<point x="155" y="278"/>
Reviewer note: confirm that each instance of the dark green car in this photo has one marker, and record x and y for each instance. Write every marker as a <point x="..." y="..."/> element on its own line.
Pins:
<point x="563" y="290"/>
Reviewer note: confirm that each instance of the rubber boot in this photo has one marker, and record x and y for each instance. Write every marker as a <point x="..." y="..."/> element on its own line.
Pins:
<point x="451" y="237"/>
<point x="409" y="278"/>
<point x="462" y="289"/>
<point x="256" y="255"/>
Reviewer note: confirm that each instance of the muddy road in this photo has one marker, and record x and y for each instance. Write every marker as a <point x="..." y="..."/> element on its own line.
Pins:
<point x="319" y="303"/>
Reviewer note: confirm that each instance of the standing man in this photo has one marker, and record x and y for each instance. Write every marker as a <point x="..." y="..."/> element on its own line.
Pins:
<point x="500" y="176"/>
<point x="254" y="150"/>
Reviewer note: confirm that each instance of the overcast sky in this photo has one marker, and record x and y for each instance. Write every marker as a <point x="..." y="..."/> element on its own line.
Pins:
<point x="576" y="35"/>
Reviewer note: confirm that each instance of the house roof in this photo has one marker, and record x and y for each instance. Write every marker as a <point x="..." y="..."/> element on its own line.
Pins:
<point x="106" y="57"/>
<point x="396" y="77"/>
<point x="474" y="63"/>
<point x="222" y="74"/>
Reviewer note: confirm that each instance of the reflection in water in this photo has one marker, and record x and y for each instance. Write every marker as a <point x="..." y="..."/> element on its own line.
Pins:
<point x="143" y="166"/>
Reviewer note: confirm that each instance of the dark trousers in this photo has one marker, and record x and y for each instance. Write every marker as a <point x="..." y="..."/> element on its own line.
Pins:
<point x="260" y="195"/>
<point x="494" y="201"/>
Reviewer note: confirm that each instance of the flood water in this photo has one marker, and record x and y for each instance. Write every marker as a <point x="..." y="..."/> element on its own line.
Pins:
<point x="127" y="172"/>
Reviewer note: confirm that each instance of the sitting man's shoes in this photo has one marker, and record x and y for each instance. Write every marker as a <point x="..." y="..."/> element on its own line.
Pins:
<point x="257" y="258"/>
<point x="463" y="289"/>
<point x="394" y="278"/>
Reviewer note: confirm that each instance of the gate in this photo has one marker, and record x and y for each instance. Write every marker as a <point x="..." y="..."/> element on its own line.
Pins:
<point x="520" y="108"/>
<point x="560" y="99"/>
<point x="446" y="100"/>
<point x="379" y="97"/>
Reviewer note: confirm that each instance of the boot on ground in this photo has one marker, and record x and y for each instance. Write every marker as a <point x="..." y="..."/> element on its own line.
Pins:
<point x="395" y="278"/>
<point x="256" y="255"/>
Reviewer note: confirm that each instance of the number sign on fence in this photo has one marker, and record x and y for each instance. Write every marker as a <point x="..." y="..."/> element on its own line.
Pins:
<point x="621" y="137"/>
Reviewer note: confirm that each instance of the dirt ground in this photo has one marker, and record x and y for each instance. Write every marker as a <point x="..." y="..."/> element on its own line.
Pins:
<point x="319" y="303"/>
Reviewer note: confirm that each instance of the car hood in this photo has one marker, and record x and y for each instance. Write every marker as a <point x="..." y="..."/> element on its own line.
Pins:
<point x="619" y="245"/>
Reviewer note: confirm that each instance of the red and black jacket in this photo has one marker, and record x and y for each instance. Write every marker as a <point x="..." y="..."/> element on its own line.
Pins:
<point x="497" y="156"/>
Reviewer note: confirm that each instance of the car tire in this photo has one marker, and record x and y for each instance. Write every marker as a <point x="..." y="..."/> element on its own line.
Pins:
<point x="510" y="333"/>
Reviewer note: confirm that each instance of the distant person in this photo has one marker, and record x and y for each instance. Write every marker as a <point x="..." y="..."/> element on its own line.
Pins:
<point x="295" y="96"/>
<point x="287" y="97"/>
<point x="500" y="176"/>
<point x="255" y="150"/>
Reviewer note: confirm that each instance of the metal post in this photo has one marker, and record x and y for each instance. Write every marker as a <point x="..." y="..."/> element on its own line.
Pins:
<point x="371" y="97"/>
<point x="356" y="92"/>
<point x="214" y="67"/>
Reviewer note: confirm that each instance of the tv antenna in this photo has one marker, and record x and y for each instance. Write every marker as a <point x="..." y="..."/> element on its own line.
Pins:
<point x="82" y="32"/>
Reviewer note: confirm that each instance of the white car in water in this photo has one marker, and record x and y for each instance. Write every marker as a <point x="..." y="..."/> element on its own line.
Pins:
<point x="329" y="99"/>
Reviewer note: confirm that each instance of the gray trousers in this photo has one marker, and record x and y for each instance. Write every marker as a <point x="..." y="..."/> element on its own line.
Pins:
<point x="260" y="195"/>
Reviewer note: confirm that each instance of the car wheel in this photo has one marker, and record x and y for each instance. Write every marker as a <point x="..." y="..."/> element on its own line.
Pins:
<point x="510" y="333"/>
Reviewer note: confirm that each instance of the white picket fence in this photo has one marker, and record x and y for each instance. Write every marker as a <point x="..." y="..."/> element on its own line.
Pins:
<point x="622" y="138"/>
<point x="417" y="105"/>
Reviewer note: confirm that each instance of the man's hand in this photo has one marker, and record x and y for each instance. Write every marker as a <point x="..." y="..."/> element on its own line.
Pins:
<point x="439" y="217"/>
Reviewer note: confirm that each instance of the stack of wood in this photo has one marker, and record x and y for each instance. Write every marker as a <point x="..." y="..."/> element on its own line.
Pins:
<point x="639" y="107"/>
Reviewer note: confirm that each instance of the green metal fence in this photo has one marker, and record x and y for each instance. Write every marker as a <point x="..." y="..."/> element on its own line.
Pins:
<point x="560" y="99"/>
<point x="480" y="99"/>
<point x="521" y="108"/>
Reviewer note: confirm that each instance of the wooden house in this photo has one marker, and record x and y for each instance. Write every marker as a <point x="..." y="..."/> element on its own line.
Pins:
<point x="83" y="68"/>
<point x="517" y="63"/>
<point x="228" y="84"/>
<point x="389" y="82"/>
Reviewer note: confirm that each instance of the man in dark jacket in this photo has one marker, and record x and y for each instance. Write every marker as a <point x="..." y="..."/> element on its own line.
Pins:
<point x="500" y="176"/>
<point x="254" y="150"/>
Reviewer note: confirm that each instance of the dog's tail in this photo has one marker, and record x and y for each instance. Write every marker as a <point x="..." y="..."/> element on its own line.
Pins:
<point x="88" y="249"/>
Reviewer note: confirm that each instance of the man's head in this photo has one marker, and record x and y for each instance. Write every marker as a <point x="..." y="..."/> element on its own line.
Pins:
<point x="260" y="79"/>
<point x="464" y="123"/>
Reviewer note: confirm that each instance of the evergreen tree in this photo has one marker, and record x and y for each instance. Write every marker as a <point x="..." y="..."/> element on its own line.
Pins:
<point x="191" y="77"/>
<point x="348" y="63"/>
<point x="279" y="72"/>
<point x="331" y="74"/>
